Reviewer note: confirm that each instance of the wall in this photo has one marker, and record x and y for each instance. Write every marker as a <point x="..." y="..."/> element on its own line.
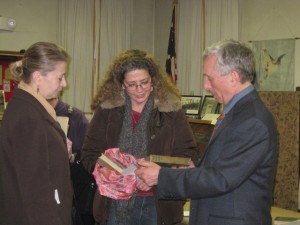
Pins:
<point x="36" y="21"/>
<point x="163" y="17"/>
<point x="143" y="25"/>
<point x="259" y="20"/>
<point x="271" y="19"/>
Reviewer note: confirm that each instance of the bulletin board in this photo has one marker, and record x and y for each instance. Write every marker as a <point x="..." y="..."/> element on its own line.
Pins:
<point x="7" y="84"/>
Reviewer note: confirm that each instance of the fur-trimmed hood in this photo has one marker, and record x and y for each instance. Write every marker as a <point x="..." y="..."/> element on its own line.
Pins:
<point x="171" y="104"/>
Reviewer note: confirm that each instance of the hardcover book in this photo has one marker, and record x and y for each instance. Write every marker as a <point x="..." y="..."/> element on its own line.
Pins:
<point x="169" y="160"/>
<point x="109" y="162"/>
<point x="64" y="123"/>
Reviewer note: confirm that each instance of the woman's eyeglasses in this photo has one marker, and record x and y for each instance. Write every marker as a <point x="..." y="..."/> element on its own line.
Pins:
<point x="133" y="86"/>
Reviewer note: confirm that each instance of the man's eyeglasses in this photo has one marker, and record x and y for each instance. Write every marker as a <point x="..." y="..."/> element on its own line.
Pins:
<point x="133" y="86"/>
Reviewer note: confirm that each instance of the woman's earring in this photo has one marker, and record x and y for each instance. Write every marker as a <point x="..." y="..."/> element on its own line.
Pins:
<point x="151" y="89"/>
<point x="123" y="93"/>
<point x="37" y="90"/>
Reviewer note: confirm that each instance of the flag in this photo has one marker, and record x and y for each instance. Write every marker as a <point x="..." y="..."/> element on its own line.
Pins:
<point x="171" y="65"/>
<point x="274" y="61"/>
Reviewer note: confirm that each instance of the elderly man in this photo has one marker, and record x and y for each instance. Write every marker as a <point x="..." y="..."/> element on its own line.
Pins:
<point x="233" y="182"/>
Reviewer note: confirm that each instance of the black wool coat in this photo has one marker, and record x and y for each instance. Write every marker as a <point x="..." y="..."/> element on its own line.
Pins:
<point x="34" y="166"/>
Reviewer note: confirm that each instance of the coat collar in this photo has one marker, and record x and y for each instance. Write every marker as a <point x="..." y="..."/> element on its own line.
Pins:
<point x="171" y="104"/>
<point x="47" y="106"/>
<point x="229" y="117"/>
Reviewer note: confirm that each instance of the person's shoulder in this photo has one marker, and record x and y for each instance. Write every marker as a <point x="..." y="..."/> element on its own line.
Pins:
<point x="77" y="111"/>
<point x="111" y="113"/>
<point x="61" y="108"/>
<point x="172" y="116"/>
<point x="104" y="109"/>
<point x="25" y="112"/>
<point x="109" y="104"/>
<point x="66" y="108"/>
<point x="171" y="104"/>
<point x="77" y="115"/>
<point x="25" y="103"/>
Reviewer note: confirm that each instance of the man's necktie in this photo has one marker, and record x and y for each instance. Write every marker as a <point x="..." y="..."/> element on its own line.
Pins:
<point x="219" y="120"/>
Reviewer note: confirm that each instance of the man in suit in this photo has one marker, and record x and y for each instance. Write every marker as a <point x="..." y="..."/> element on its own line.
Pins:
<point x="233" y="182"/>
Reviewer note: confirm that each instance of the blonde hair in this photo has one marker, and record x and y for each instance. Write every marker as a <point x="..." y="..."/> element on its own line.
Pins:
<point x="42" y="57"/>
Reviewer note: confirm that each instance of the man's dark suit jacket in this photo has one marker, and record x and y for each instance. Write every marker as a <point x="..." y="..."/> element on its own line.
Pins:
<point x="233" y="183"/>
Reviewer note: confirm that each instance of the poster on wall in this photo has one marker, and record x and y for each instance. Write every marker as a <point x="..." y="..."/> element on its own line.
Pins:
<point x="274" y="64"/>
<point x="7" y="83"/>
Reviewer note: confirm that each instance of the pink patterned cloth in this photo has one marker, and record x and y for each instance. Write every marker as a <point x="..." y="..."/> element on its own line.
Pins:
<point x="111" y="183"/>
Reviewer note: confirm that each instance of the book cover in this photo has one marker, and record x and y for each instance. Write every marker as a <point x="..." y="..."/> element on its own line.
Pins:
<point x="109" y="162"/>
<point x="169" y="160"/>
<point x="64" y="123"/>
<point x="286" y="220"/>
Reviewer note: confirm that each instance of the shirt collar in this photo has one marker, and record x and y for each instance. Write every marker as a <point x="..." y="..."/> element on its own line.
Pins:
<point x="237" y="97"/>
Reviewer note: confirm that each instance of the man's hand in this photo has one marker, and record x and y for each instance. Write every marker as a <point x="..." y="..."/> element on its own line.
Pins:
<point x="141" y="185"/>
<point x="147" y="172"/>
<point x="190" y="166"/>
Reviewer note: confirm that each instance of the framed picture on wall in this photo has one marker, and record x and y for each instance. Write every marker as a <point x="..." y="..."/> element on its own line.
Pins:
<point x="209" y="106"/>
<point x="220" y="108"/>
<point x="7" y="83"/>
<point x="191" y="104"/>
<point x="2" y="103"/>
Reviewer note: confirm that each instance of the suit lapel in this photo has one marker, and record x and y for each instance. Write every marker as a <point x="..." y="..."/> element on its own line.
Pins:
<point x="227" y="120"/>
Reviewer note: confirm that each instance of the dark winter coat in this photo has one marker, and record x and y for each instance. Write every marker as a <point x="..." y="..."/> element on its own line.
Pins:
<point x="169" y="133"/>
<point x="34" y="166"/>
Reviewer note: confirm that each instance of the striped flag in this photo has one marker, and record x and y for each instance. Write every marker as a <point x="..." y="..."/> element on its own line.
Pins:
<point x="171" y="64"/>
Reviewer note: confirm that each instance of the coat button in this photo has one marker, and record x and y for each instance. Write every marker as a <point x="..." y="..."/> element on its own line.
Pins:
<point x="152" y="137"/>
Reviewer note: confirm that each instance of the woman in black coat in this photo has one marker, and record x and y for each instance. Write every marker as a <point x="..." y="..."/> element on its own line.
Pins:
<point x="35" y="184"/>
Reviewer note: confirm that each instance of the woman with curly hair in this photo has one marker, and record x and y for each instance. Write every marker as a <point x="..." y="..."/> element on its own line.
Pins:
<point x="137" y="109"/>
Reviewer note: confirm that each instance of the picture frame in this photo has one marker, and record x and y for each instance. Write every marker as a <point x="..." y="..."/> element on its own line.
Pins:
<point x="209" y="106"/>
<point x="220" y="108"/>
<point x="7" y="83"/>
<point x="2" y="104"/>
<point x="191" y="104"/>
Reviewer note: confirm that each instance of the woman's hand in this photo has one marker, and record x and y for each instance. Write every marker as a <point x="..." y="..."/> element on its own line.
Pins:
<point x="69" y="148"/>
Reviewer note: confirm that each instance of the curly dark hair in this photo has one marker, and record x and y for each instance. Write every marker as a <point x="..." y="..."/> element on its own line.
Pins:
<point x="110" y="87"/>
